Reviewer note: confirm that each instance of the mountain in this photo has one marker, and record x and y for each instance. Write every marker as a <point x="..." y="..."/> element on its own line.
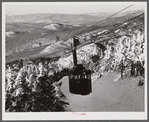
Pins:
<point x="55" y="18"/>
<point x="86" y="18"/>
<point x="25" y="32"/>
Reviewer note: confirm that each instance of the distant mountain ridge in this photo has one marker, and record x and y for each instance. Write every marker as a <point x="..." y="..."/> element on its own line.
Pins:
<point x="87" y="18"/>
<point x="50" y="18"/>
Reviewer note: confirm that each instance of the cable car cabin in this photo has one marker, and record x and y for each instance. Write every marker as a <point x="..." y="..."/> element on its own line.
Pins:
<point x="80" y="80"/>
<point x="79" y="77"/>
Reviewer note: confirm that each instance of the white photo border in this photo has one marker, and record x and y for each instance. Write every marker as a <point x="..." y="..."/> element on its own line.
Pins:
<point x="68" y="115"/>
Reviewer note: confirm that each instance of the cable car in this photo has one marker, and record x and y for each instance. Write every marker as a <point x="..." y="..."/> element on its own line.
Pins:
<point x="79" y="77"/>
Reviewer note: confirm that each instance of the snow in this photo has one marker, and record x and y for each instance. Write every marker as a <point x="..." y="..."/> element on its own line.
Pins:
<point x="101" y="32"/>
<point x="35" y="45"/>
<point x="107" y="95"/>
<point x="83" y="54"/>
<point x="52" y="27"/>
<point x="76" y="25"/>
<point x="118" y="30"/>
<point x="8" y="34"/>
<point x="41" y="21"/>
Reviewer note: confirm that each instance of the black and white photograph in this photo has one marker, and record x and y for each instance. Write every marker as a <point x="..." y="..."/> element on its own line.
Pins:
<point x="74" y="60"/>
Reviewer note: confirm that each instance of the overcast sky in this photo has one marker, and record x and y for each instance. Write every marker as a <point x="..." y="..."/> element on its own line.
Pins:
<point x="16" y="8"/>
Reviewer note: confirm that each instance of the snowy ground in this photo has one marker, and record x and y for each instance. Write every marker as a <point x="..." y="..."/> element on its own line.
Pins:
<point x="108" y="94"/>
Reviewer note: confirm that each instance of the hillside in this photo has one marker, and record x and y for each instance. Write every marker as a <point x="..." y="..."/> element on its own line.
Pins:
<point x="107" y="95"/>
<point x="22" y="37"/>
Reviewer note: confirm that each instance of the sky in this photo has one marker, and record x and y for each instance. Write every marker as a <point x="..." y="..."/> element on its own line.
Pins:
<point x="18" y="8"/>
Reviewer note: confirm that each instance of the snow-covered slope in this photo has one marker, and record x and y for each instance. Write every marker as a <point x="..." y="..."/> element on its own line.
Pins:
<point x="83" y="56"/>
